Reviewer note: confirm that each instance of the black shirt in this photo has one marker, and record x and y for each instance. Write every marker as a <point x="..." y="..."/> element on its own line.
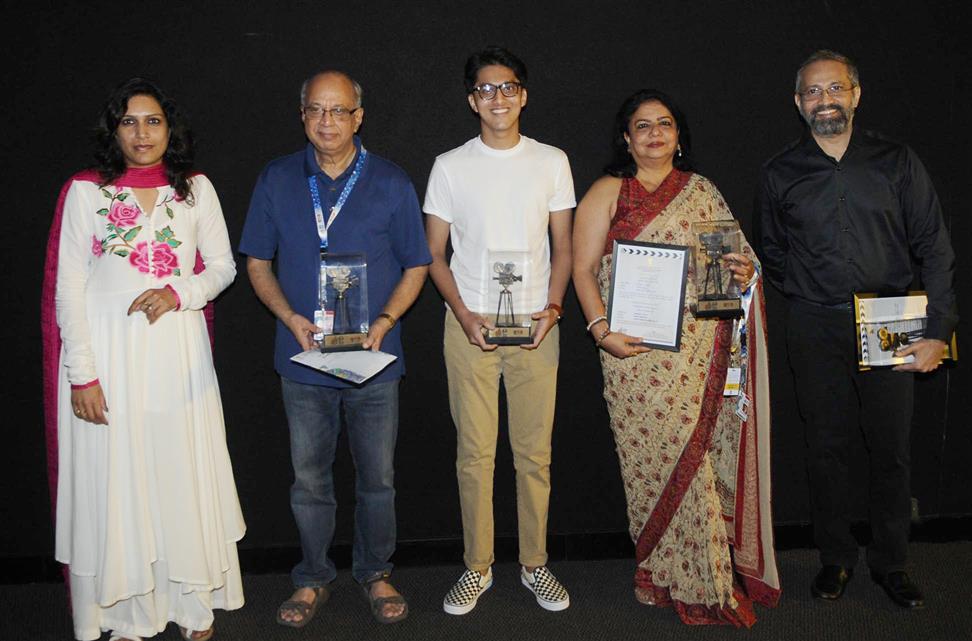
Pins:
<point x="826" y="229"/>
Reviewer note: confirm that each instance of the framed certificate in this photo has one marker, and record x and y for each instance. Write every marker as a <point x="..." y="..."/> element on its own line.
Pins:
<point x="648" y="292"/>
<point x="885" y="324"/>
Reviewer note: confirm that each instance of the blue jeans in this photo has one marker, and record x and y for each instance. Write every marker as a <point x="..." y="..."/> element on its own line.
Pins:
<point x="314" y="415"/>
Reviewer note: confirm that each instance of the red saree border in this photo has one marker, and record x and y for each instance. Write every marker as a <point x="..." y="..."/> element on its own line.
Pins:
<point x="748" y="556"/>
<point x="752" y="577"/>
<point x="637" y="206"/>
<point x="742" y="616"/>
<point x="691" y="458"/>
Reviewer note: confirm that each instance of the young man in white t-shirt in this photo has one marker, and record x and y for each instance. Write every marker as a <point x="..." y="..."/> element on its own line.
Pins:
<point x="501" y="192"/>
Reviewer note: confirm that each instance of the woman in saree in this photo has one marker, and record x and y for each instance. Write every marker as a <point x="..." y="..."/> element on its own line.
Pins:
<point x="147" y="515"/>
<point x="695" y="463"/>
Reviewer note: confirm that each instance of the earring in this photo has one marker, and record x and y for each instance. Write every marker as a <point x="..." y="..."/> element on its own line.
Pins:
<point x="678" y="152"/>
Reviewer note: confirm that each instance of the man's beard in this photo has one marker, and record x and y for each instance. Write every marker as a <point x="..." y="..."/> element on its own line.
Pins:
<point x="836" y="124"/>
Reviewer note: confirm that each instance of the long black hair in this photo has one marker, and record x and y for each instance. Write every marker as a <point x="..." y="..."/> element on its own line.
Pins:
<point x="622" y="164"/>
<point x="179" y="154"/>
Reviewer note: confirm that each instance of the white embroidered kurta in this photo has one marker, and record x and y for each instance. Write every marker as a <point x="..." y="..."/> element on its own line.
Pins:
<point x="147" y="511"/>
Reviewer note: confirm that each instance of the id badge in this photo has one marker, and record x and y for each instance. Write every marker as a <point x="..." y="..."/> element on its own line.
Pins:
<point x="733" y="382"/>
<point x="742" y="406"/>
<point x="324" y="320"/>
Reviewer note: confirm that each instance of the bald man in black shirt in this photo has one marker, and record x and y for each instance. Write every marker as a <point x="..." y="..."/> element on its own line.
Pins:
<point x="843" y="211"/>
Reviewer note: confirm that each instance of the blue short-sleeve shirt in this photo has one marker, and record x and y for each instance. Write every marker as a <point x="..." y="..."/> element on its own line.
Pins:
<point x="381" y="219"/>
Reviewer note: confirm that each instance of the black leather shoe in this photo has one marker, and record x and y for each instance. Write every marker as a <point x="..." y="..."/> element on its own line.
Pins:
<point x="830" y="582"/>
<point x="900" y="588"/>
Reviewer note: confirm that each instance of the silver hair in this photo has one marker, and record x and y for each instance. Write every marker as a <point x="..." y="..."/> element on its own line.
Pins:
<point x="827" y="54"/>
<point x="358" y="91"/>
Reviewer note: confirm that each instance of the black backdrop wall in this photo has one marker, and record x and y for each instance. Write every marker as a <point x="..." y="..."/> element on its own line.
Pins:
<point x="236" y="67"/>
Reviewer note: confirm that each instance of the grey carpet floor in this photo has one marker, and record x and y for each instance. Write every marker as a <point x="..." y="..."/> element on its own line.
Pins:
<point x="602" y="607"/>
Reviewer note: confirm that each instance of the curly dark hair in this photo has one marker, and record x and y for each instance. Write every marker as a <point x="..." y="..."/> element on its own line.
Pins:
<point x="622" y="165"/>
<point x="179" y="154"/>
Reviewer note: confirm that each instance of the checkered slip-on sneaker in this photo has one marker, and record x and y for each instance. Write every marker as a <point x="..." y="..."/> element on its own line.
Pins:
<point x="465" y="593"/>
<point x="551" y="595"/>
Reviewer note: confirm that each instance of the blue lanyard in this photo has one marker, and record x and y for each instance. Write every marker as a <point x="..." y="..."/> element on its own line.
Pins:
<point x="747" y="301"/>
<point x="323" y="226"/>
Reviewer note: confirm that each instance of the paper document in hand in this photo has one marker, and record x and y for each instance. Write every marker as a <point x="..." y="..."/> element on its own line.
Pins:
<point x="354" y="367"/>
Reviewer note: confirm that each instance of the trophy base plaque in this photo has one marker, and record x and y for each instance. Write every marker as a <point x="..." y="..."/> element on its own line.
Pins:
<point x="342" y="342"/>
<point x="718" y="308"/>
<point x="509" y="335"/>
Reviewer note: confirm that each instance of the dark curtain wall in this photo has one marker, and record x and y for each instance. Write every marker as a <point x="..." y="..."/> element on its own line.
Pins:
<point x="236" y="67"/>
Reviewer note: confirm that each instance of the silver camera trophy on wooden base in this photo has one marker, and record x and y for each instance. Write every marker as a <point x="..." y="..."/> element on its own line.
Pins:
<point x="507" y="295"/>
<point x="717" y="294"/>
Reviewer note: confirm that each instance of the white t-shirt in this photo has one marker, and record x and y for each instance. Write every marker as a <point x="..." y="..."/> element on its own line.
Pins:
<point x="499" y="200"/>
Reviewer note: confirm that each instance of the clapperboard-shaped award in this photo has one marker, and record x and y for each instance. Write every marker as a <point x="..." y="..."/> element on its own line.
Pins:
<point x="886" y="324"/>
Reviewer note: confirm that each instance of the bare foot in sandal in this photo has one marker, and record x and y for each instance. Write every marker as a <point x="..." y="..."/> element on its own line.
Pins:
<point x="392" y="606"/>
<point x="196" y="635"/>
<point x="297" y="611"/>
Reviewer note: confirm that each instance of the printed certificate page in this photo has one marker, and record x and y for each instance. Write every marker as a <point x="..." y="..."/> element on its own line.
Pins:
<point x="647" y="292"/>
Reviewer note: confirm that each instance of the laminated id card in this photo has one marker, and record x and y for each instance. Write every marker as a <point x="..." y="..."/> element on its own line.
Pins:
<point x="733" y="379"/>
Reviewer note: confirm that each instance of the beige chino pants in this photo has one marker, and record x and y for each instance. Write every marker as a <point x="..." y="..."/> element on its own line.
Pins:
<point x="530" y="378"/>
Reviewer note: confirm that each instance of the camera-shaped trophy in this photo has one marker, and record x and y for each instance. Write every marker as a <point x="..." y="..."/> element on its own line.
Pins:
<point x="343" y="313"/>
<point x="507" y="295"/>
<point x="717" y="294"/>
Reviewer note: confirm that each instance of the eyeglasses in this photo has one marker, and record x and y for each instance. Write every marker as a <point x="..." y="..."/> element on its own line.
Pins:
<point x="815" y="93"/>
<point x="316" y="112"/>
<point x="487" y="91"/>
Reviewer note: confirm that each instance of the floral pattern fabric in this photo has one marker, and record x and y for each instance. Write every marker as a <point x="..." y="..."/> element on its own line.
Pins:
<point x="666" y="411"/>
<point x="147" y="515"/>
<point x="122" y="233"/>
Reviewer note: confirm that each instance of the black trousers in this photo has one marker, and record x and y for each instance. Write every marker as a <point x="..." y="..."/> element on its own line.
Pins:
<point x="835" y="399"/>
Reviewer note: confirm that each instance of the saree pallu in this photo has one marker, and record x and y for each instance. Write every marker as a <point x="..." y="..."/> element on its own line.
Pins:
<point x="696" y="476"/>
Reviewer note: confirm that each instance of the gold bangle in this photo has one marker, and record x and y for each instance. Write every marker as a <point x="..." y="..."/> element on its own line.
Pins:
<point x="604" y="334"/>
<point x="391" y="319"/>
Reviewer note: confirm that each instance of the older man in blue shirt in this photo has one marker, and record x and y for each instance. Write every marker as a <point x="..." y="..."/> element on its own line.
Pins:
<point x="378" y="215"/>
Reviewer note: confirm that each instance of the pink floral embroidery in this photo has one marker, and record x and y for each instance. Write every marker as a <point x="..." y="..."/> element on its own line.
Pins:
<point x="122" y="214"/>
<point x="139" y="257"/>
<point x="164" y="260"/>
<point x="121" y="235"/>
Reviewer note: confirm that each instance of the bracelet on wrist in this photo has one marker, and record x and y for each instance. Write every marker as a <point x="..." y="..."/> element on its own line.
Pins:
<point x="391" y="319"/>
<point x="594" y="322"/>
<point x="604" y="334"/>
<point x="557" y="308"/>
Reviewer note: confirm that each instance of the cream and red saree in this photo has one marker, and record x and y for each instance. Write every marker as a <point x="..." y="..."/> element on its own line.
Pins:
<point x="696" y="475"/>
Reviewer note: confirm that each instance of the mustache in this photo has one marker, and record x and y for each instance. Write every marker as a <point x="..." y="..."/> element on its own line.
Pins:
<point x="819" y="108"/>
